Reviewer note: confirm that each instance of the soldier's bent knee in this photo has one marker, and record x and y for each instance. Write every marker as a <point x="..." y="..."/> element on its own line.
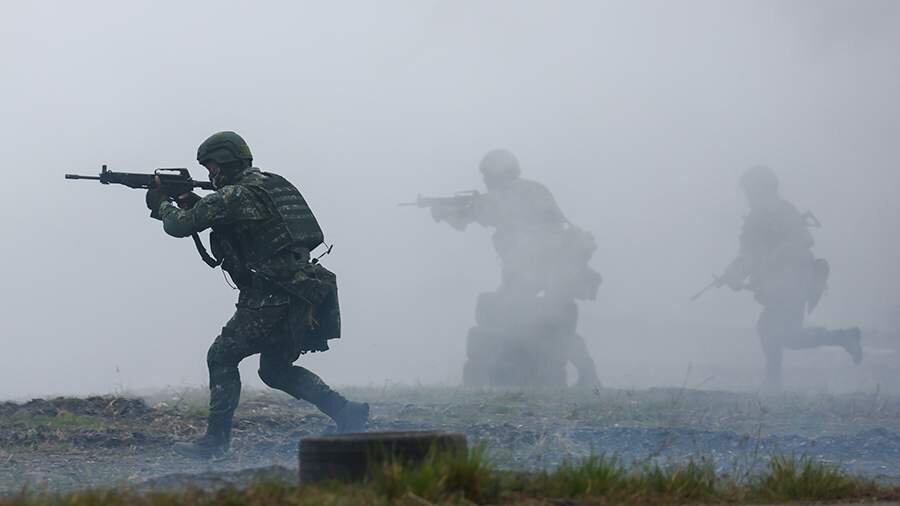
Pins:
<point x="221" y="351"/>
<point x="212" y="356"/>
<point x="271" y="376"/>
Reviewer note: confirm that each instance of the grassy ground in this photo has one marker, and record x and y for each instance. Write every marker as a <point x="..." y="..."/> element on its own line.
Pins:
<point x="466" y="479"/>
<point x="66" y="444"/>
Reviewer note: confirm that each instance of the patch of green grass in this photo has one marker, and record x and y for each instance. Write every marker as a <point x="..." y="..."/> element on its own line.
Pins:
<point x="192" y="411"/>
<point x="262" y="494"/>
<point x="683" y="483"/>
<point x="452" y="478"/>
<point x="790" y="479"/>
<point x="604" y="478"/>
<point x="465" y="478"/>
<point x="63" y="420"/>
<point x="594" y="476"/>
<point x="442" y="476"/>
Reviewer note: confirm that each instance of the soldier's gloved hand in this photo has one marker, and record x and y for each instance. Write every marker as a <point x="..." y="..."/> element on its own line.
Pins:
<point x="187" y="200"/>
<point x="731" y="280"/>
<point x="154" y="199"/>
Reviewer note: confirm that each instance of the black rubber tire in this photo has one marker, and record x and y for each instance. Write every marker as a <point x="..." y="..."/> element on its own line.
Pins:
<point x="349" y="457"/>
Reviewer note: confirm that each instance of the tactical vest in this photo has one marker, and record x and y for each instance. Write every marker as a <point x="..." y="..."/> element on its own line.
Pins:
<point x="266" y="251"/>
<point x="291" y="221"/>
<point x="285" y="229"/>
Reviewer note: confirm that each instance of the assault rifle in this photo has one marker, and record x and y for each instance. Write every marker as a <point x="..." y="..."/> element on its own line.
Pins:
<point x="719" y="282"/>
<point x="172" y="182"/>
<point x="715" y="283"/>
<point x="458" y="200"/>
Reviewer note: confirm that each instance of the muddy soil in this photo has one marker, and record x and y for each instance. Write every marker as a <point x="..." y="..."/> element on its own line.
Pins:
<point x="68" y="443"/>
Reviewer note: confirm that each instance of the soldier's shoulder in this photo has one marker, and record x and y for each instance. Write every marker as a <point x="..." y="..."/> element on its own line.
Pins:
<point x="233" y="196"/>
<point x="240" y="189"/>
<point x="787" y="210"/>
<point x="531" y="186"/>
<point x="255" y="176"/>
<point x="282" y="181"/>
<point x="528" y="183"/>
<point x="232" y="193"/>
<point x="270" y="173"/>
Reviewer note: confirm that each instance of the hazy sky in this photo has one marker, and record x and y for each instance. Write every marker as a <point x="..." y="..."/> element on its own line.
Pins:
<point x="638" y="115"/>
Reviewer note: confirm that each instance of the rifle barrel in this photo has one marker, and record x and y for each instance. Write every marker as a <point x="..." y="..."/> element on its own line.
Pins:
<point x="76" y="176"/>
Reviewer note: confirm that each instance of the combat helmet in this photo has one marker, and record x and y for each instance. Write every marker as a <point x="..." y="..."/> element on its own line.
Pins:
<point x="225" y="148"/>
<point x="499" y="166"/>
<point x="759" y="179"/>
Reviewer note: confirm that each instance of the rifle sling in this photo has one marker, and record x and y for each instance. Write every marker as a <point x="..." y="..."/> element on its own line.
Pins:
<point x="210" y="261"/>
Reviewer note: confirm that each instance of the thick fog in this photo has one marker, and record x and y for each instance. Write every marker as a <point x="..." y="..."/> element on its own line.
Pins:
<point x="638" y="116"/>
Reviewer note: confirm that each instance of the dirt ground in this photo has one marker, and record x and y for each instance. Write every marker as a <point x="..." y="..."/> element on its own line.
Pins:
<point x="71" y="443"/>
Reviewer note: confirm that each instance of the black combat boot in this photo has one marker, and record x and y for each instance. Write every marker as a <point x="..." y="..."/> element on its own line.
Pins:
<point x="348" y="415"/>
<point x="353" y="417"/>
<point x="211" y="445"/>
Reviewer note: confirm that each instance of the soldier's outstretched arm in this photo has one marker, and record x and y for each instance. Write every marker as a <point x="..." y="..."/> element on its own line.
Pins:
<point x="458" y="216"/>
<point x="735" y="274"/>
<point x="217" y="208"/>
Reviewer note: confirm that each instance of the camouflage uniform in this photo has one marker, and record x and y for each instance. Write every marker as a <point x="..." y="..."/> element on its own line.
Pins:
<point x="531" y="317"/>
<point x="263" y="232"/>
<point x="775" y="261"/>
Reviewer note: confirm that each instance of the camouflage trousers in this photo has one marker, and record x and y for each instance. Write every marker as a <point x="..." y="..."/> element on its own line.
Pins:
<point x="264" y="331"/>
<point x="780" y="327"/>
<point x="524" y="339"/>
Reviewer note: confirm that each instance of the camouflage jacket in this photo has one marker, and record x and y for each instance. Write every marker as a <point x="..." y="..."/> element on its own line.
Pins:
<point x="263" y="232"/>
<point x="535" y="242"/>
<point x="775" y="252"/>
<point x="526" y="220"/>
